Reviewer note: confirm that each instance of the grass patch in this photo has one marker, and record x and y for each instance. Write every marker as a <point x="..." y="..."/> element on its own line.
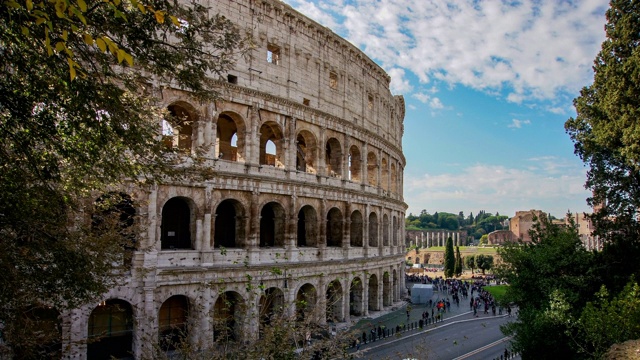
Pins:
<point x="497" y="291"/>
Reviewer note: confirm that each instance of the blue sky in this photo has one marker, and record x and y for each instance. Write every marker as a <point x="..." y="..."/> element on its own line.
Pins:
<point x="488" y="86"/>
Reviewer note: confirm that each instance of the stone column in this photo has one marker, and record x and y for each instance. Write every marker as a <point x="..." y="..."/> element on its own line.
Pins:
<point x="252" y="137"/>
<point x="322" y="149"/>
<point x="365" y="294"/>
<point x="254" y="228"/>
<point x="321" y="304"/>
<point x="211" y="132"/>
<point x="292" y="229"/>
<point x="322" y="231"/>
<point x="152" y="239"/>
<point x="291" y="147"/>
<point x="346" y="293"/>
<point x="364" y="165"/>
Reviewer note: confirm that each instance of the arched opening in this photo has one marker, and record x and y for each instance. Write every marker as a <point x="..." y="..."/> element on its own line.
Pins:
<point x="356" y="291"/>
<point x="272" y="224"/>
<point x="373" y="230"/>
<point x="417" y="260"/>
<point x="307" y="227"/>
<point x="306" y="152"/>
<point x="271" y="149"/>
<point x="356" y="229"/>
<point x="172" y="322"/>
<point x="355" y="164"/>
<point x="372" y="169"/>
<point x="111" y="331"/>
<point x="334" y="228"/>
<point x="177" y="129"/>
<point x="114" y="212"/>
<point x="229" y="226"/>
<point x="271" y="308"/>
<point x="176" y="226"/>
<point x="230" y="137"/>
<point x="387" y="298"/>
<point x="306" y="299"/>
<point x="373" y="293"/>
<point x="334" y="302"/>
<point x="229" y="311"/>
<point x="333" y="158"/>
<point x="385" y="230"/>
<point x="384" y="174"/>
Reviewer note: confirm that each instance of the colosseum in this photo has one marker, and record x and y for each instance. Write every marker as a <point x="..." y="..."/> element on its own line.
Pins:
<point x="305" y="203"/>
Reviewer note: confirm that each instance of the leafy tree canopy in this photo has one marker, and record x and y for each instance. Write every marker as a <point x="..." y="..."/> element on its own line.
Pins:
<point x="78" y="115"/>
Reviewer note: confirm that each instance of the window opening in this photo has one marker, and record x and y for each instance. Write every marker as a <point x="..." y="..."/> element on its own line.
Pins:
<point x="333" y="80"/>
<point x="273" y="54"/>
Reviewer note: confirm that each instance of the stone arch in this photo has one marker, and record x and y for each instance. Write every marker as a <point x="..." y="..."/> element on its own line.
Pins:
<point x="272" y="225"/>
<point x="307" y="227"/>
<point x="178" y="128"/>
<point x="271" y="306"/>
<point x="394" y="179"/>
<point x="372" y="169"/>
<point x="230" y="137"/>
<point x="270" y="132"/>
<point x="356" y="294"/>
<point x="116" y="210"/>
<point x="173" y="318"/>
<point x="229" y="312"/>
<point x="334" y="296"/>
<point x="373" y="230"/>
<point x="230" y="224"/>
<point x="333" y="158"/>
<point x="306" y="152"/>
<point x="110" y="330"/>
<point x="417" y="259"/>
<point x="178" y="224"/>
<point x="355" y="164"/>
<point x="373" y="293"/>
<point x="356" y="229"/>
<point x="334" y="228"/>
<point x="306" y="300"/>
<point x="385" y="230"/>
<point x="384" y="174"/>
<point x="387" y="295"/>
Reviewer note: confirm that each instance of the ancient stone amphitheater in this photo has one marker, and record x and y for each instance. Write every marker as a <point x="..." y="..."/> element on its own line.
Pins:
<point x="304" y="212"/>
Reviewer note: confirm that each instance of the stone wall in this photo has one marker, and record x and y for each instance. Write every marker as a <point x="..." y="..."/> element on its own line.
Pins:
<point x="300" y="195"/>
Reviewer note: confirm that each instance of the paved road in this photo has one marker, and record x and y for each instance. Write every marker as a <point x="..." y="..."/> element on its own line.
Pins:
<point x="460" y="336"/>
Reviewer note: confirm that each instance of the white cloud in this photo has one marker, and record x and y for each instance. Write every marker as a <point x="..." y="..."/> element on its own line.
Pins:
<point x="532" y="49"/>
<point x="483" y="187"/>
<point x="517" y="124"/>
<point x="399" y="84"/>
<point x="433" y="102"/>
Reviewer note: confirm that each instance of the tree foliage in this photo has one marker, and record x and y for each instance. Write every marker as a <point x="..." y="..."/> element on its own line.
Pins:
<point x="549" y="279"/>
<point x="606" y="136"/>
<point x="78" y="115"/>
<point x="458" y="267"/>
<point x="449" y="259"/>
<point x="470" y="262"/>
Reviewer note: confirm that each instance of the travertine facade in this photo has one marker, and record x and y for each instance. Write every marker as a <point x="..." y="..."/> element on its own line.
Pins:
<point x="305" y="202"/>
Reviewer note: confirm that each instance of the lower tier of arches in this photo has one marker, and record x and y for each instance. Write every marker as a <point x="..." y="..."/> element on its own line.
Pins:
<point x="206" y="309"/>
